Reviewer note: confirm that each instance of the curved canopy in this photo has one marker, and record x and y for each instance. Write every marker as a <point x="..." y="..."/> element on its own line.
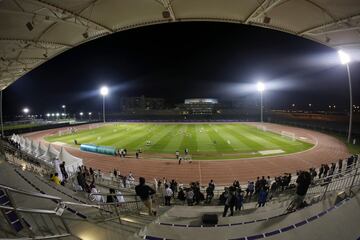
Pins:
<point x="34" y="31"/>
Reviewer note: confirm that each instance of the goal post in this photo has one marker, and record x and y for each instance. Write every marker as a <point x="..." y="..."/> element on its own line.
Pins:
<point x="289" y="135"/>
<point x="262" y="128"/>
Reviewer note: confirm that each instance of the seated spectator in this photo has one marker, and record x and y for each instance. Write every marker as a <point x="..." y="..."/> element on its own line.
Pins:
<point x="120" y="197"/>
<point x="189" y="196"/>
<point x="56" y="179"/>
<point x="93" y="190"/>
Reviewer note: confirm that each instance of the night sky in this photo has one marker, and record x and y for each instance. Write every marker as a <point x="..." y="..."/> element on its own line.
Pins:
<point x="182" y="60"/>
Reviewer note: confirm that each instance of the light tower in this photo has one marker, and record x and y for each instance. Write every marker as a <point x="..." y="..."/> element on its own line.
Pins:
<point x="345" y="60"/>
<point x="261" y="87"/>
<point x="104" y="91"/>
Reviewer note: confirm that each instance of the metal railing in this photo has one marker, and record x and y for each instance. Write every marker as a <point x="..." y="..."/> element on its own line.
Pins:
<point x="24" y="223"/>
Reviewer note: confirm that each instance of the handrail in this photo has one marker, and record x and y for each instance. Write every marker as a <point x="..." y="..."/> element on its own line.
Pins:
<point x="32" y="194"/>
<point x="29" y="210"/>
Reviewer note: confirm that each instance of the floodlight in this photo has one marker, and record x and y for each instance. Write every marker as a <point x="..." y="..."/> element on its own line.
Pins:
<point x="344" y="57"/>
<point x="90" y="113"/>
<point x="260" y="86"/>
<point x="63" y="106"/>
<point x="48" y="114"/>
<point x="81" y="113"/>
<point x="53" y="114"/>
<point x="57" y="114"/>
<point x="104" y="91"/>
<point x="63" y="114"/>
<point x="26" y="110"/>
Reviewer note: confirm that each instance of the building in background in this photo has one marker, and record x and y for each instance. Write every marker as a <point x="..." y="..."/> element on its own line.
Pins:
<point x="142" y="103"/>
<point x="200" y="106"/>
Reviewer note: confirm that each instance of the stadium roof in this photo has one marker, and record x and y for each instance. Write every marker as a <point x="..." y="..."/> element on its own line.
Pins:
<point x="34" y="31"/>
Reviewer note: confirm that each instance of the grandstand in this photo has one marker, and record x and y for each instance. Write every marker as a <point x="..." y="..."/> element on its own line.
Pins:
<point x="33" y="206"/>
<point x="97" y="198"/>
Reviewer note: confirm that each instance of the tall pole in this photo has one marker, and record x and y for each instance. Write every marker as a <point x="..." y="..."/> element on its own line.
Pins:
<point x="104" y="108"/>
<point x="351" y="104"/>
<point x="261" y="106"/>
<point x="1" y="114"/>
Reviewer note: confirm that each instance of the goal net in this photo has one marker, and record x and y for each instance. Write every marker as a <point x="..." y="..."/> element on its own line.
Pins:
<point x="261" y="128"/>
<point x="288" y="135"/>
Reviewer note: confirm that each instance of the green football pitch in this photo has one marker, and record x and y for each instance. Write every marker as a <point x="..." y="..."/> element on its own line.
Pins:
<point x="204" y="141"/>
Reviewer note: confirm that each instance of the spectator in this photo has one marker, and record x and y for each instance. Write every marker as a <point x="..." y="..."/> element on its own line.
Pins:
<point x="56" y="179"/>
<point x="145" y="192"/>
<point x="111" y="198"/>
<point x="303" y="182"/>
<point x="94" y="191"/>
<point x="239" y="200"/>
<point x="249" y="190"/>
<point x="181" y="195"/>
<point x="262" y="197"/>
<point x="230" y="202"/>
<point x="326" y="170"/>
<point x="321" y="170"/>
<point x="340" y="163"/>
<point x="168" y="194"/>
<point x="63" y="171"/>
<point x="189" y="196"/>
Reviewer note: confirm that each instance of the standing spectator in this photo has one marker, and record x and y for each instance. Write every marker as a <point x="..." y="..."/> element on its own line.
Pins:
<point x="257" y="185"/>
<point x="340" y="163"/>
<point x="303" y="182"/>
<point x="239" y="200"/>
<point x="57" y="168"/>
<point x="177" y="154"/>
<point x="145" y="192"/>
<point x="137" y="154"/>
<point x="181" y="195"/>
<point x="168" y="194"/>
<point x="250" y="190"/>
<point x="210" y="191"/>
<point x="262" y="197"/>
<point x="63" y="171"/>
<point x="326" y="170"/>
<point x="115" y="173"/>
<point x="111" y="198"/>
<point x="230" y="202"/>
<point x="321" y="170"/>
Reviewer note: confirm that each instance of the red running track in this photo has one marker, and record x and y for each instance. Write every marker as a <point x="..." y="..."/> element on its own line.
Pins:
<point x="327" y="149"/>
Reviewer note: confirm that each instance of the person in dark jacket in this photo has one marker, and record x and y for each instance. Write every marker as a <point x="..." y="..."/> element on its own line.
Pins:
<point x="230" y="202"/>
<point x="111" y="198"/>
<point x="303" y="182"/>
<point x="144" y="192"/>
<point x="63" y="171"/>
<point x="262" y="197"/>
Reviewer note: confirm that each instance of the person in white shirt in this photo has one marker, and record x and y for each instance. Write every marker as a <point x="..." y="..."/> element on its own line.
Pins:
<point x="168" y="195"/>
<point x="120" y="197"/>
<point x="95" y="197"/>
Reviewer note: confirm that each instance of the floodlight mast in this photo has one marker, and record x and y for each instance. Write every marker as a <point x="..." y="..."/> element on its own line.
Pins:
<point x="1" y="114"/>
<point x="345" y="60"/>
<point x="104" y="91"/>
<point x="261" y="88"/>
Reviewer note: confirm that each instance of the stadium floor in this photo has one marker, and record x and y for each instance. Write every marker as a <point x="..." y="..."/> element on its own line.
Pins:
<point x="327" y="149"/>
<point x="205" y="141"/>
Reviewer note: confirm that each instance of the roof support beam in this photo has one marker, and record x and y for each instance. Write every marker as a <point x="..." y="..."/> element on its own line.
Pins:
<point x="335" y="31"/>
<point x="75" y="15"/>
<point x="36" y="42"/>
<point x="263" y="8"/>
<point x="332" y="23"/>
